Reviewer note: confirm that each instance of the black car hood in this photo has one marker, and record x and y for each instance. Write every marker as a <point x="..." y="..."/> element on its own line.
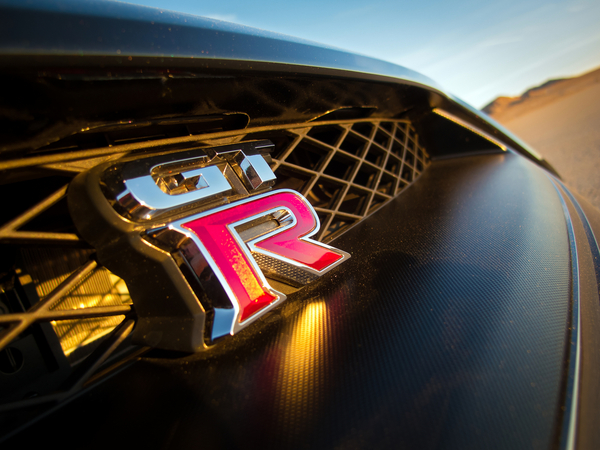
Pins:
<point x="448" y="328"/>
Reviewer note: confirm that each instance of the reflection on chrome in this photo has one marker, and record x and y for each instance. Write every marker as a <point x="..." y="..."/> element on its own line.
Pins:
<point x="102" y="288"/>
<point x="299" y="381"/>
<point x="47" y="268"/>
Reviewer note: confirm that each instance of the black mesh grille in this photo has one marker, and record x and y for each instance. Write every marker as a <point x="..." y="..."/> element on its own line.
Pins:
<point x="62" y="314"/>
<point x="347" y="170"/>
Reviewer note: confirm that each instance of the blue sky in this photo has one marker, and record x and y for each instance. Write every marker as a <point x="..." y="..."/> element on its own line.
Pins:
<point x="477" y="50"/>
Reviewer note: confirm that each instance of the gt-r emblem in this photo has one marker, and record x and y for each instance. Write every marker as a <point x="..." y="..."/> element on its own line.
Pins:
<point x="202" y="242"/>
<point x="215" y="233"/>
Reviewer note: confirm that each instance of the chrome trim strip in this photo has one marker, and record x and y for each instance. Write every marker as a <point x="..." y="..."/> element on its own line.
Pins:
<point x="568" y="433"/>
<point x="505" y="131"/>
<point x="593" y="242"/>
<point x="468" y="126"/>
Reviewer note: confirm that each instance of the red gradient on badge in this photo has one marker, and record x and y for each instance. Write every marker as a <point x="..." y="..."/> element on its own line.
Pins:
<point x="230" y="257"/>
<point x="288" y="244"/>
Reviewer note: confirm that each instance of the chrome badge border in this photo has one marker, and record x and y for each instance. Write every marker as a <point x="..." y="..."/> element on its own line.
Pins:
<point x="237" y="325"/>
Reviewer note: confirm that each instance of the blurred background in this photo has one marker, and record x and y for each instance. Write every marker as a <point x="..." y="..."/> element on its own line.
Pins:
<point x="520" y="61"/>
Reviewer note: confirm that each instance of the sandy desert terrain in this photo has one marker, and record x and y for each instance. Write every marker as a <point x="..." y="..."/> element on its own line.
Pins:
<point x="561" y="120"/>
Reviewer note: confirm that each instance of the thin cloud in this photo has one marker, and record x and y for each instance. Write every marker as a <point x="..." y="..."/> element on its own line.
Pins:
<point x="500" y="40"/>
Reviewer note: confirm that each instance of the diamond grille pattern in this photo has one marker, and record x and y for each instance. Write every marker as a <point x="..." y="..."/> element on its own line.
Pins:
<point x="348" y="170"/>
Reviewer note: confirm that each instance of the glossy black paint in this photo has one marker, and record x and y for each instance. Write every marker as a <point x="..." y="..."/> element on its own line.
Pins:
<point x="86" y="27"/>
<point x="446" y="329"/>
